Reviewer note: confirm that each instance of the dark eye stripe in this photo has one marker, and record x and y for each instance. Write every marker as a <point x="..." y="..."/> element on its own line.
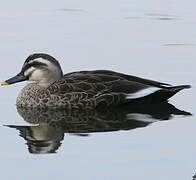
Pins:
<point x="43" y="56"/>
<point x="33" y="64"/>
<point x="30" y="74"/>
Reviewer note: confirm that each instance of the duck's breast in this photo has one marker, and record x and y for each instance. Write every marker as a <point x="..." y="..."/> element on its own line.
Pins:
<point x="29" y="95"/>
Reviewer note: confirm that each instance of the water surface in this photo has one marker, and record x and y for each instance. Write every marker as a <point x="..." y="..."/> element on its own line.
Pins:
<point x="151" y="39"/>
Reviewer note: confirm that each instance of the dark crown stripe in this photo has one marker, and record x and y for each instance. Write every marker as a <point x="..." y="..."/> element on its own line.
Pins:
<point x="43" y="56"/>
<point x="34" y="64"/>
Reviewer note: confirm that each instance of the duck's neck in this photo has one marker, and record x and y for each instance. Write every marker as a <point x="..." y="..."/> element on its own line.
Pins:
<point x="45" y="78"/>
<point x="48" y="80"/>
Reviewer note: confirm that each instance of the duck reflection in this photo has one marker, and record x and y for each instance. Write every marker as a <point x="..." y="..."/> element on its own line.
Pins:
<point x="48" y="126"/>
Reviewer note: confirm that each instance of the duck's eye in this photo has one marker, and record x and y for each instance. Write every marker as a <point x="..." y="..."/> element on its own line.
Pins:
<point x="34" y="65"/>
<point x="29" y="68"/>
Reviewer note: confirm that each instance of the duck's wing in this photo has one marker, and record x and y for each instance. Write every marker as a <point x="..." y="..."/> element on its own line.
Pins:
<point x="108" y="82"/>
<point x="101" y="85"/>
<point x="134" y="93"/>
<point x="95" y="84"/>
<point x="103" y="75"/>
<point x="107" y="89"/>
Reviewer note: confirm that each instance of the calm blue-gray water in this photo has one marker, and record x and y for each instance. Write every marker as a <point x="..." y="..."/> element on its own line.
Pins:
<point x="154" y="39"/>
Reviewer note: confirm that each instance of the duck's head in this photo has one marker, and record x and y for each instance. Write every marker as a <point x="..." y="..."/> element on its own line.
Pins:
<point x="41" y="68"/>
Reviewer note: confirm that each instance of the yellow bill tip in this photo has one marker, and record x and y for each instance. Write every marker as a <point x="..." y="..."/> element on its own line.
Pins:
<point x="4" y="83"/>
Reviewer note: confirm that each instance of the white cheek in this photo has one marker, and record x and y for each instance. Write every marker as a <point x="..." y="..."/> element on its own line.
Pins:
<point x="29" y="71"/>
<point x="37" y="75"/>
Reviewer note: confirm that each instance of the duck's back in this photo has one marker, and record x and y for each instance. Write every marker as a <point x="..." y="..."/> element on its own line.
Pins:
<point x="106" y="75"/>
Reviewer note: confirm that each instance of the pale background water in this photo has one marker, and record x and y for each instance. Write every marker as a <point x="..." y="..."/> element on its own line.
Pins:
<point x="154" y="39"/>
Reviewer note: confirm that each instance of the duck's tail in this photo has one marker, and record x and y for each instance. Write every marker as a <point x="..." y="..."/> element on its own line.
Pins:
<point x="178" y="88"/>
<point x="165" y="94"/>
<point x="161" y="95"/>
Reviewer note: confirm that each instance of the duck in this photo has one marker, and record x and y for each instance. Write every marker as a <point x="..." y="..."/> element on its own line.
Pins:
<point x="84" y="89"/>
